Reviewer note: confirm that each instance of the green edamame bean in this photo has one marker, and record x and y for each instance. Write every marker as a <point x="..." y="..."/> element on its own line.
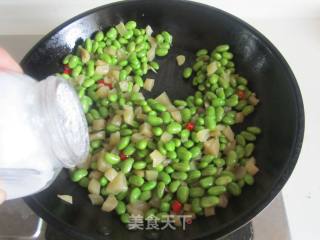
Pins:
<point x="223" y="180"/>
<point x="126" y="165"/>
<point x="154" y="120"/>
<point x="184" y="134"/>
<point x="248" y="136"/>
<point x="179" y="176"/>
<point x="149" y="186"/>
<point x="196" y="206"/>
<point x="217" y="190"/>
<point x="188" y="144"/>
<point x="129" y="150"/>
<point x="232" y="101"/>
<point x="241" y="104"/>
<point x="184" y="154"/>
<point x="206" y="182"/>
<point x="142" y="153"/>
<point x="88" y="45"/>
<point x="99" y="36"/>
<point x="134" y="195"/>
<point x="247" y="110"/>
<point x="227" y="55"/>
<point x="219" y="114"/>
<point x="186" y="114"/>
<point x="228" y="120"/>
<point x="201" y="52"/>
<point x="164" y="177"/>
<point x="196" y="192"/>
<point x="151" y="213"/>
<point x="161" y="52"/>
<point x="142" y="144"/>
<point x="103" y="181"/>
<point x="154" y="65"/>
<point x="172" y="155"/>
<point x="209" y="201"/>
<point x="162" y="149"/>
<point x="160" y="189"/>
<point x="169" y="169"/>
<point x="121" y="208"/>
<point x="122" y="195"/>
<point x="249" y="149"/>
<point x="183" y="194"/>
<point x="112" y="33"/>
<point x="231" y="158"/>
<point x="187" y="72"/>
<point x="241" y="183"/>
<point x="174" y="185"/>
<point x="193" y="175"/>
<point x="113" y="97"/>
<point x="158" y="107"/>
<point x="222" y="48"/>
<point x="84" y="182"/>
<point x="125" y="218"/>
<point x="241" y="140"/>
<point x="210" y="170"/>
<point x="112" y="128"/>
<point x="240" y="151"/>
<point x="254" y="130"/>
<point x="124" y="142"/>
<point x="130" y="25"/>
<point x="177" y="142"/>
<point x="195" y="151"/>
<point x="218" y="102"/>
<point x="170" y="146"/>
<point x="164" y="207"/>
<point x="197" y="65"/>
<point x="139" y="165"/>
<point x="111" y="158"/>
<point x="136" y="180"/>
<point x="73" y="61"/>
<point x="234" y="189"/>
<point x="78" y="174"/>
<point x="145" y="195"/>
<point x="210" y="122"/>
<point x="125" y="132"/>
<point x="248" y="179"/>
<point x="166" y="117"/>
<point x="174" y="128"/>
<point x="181" y="166"/>
<point x="157" y="131"/>
<point x="95" y="144"/>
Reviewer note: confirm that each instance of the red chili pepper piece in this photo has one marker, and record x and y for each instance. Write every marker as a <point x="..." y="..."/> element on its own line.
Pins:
<point x="67" y="70"/>
<point x="109" y="85"/>
<point x="190" y="126"/>
<point x="101" y="82"/>
<point x="176" y="206"/>
<point x="241" y="94"/>
<point x="122" y="156"/>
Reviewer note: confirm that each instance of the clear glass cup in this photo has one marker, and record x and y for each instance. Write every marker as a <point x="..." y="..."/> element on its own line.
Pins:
<point x="42" y="130"/>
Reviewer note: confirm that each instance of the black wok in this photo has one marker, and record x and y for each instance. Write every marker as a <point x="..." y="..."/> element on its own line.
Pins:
<point x="193" y="26"/>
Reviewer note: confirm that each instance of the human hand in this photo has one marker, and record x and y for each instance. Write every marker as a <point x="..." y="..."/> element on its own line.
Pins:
<point x="2" y="196"/>
<point x="8" y="63"/>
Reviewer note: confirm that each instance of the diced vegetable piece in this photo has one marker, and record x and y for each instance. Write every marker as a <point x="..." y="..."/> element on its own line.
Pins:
<point x="110" y="203"/>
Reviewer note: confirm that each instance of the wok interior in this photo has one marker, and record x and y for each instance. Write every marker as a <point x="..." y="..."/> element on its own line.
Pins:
<point x="193" y="27"/>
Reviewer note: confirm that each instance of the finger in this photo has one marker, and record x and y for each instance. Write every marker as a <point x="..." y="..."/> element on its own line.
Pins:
<point x="8" y="63"/>
<point x="2" y="196"/>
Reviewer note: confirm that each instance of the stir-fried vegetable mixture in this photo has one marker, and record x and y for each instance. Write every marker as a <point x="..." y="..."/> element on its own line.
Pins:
<point x="154" y="157"/>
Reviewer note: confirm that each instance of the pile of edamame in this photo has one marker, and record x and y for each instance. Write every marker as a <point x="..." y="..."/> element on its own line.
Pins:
<point x="154" y="157"/>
